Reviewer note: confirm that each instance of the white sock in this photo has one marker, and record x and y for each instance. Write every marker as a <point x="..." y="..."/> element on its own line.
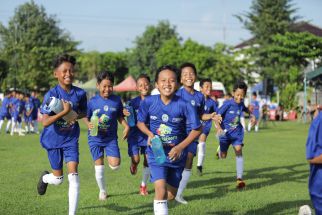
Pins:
<point x="13" y="127"/>
<point x="160" y="207"/>
<point x="100" y="179"/>
<point x="239" y="166"/>
<point x="1" y="122"/>
<point x="256" y="127"/>
<point x="73" y="192"/>
<point x="184" y="181"/>
<point x="8" y="125"/>
<point x="35" y="126"/>
<point x="249" y="126"/>
<point x="145" y="176"/>
<point x="51" y="179"/>
<point x="201" y="153"/>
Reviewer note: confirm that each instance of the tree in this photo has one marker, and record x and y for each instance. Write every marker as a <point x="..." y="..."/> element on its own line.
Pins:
<point x="142" y="58"/>
<point x="30" y="43"/>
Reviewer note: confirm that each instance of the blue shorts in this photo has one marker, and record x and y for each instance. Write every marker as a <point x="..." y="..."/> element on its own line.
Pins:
<point x="111" y="150"/>
<point x="135" y="148"/>
<point x="56" y="156"/>
<point x="16" y="118"/>
<point x="192" y="147"/>
<point x="7" y="116"/>
<point x="226" y="140"/>
<point x="28" y="119"/>
<point x="171" y="175"/>
<point x="206" y="129"/>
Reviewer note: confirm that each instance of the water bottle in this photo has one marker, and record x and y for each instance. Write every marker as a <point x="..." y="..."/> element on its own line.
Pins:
<point x="131" y="117"/>
<point x="222" y="133"/>
<point x="94" y="120"/>
<point x="158" y="151"/>
<point x="56" y="105"/>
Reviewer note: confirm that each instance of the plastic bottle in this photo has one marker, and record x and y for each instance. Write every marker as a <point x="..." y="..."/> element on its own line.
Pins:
<point x="158" y="151"/>
<point x="131" y="117"/>
<point x="56" y="105"/>
<point x="94" y="120"/>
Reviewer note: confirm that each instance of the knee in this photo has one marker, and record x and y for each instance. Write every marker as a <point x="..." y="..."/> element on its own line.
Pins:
<point x="239" y="153"/>
<point x="58" y="180"/>
<point x="114" y="167"/>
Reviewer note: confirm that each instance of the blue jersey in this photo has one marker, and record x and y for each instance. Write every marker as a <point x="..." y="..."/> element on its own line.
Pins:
<point x="36" y="103"/>
<point x="231" y="112"/>
<point x="29" y="105"/>
<point x="18" y="107"/>
<point x="136" y="134"/>
<point x="197" y="100"/>
<point x="168" y="122"/>
<point x="60" y="134"/>
<point x="314" y="149"/>
<point x="5" y="106"/>
<point x="109" y="110"/>
<point x="210" y="107"/>
<point x="255" y="104"/>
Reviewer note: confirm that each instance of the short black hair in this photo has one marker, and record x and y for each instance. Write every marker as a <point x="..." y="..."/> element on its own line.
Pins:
<point x="204" y="81"/>
<point x="187" y="64"/>
<point x="255" y="94"/>
<point x="105" y="75"/>
<point x="143" y="76"/>
<point x="166" y="67"/>
<point x="240" y="85"/>
<point x="63" y="58"/>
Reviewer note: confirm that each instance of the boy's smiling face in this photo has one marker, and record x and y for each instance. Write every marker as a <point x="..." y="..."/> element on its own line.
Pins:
<point x="105" y="88"/>
<point x="239" y="95"/>
<point x="167" y="83"/>
<point x="188" y="77"/>
<point x="65" y="73"/>
<point x="143" y="86"/>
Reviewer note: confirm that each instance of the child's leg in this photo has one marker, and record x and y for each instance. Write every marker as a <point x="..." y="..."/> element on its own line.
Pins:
<point x="201" y="151"/>
<point x="133" y="152"/>
<point x="239" y="161"/>
<point x="146" y="171"/>
<point x="1" y="122"/>
<point x="8" y="125"/>
<point x="257" y="125"/>
<point x="185" y="178"/>
<point x="160" y="204"/>
<point x="73" y="192"/>
<point x="113" y="155"/>
<point x="100" y="178"/>
<point x="113" y="162"/>
<point x="135" y="160"/>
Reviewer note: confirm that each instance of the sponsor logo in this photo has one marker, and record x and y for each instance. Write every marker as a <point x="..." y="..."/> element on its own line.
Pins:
<point x="105" y="108"/>
<point x="164" y="130"/>
<point x="165" y="118"/>
<point x="193" y="102"/>
<point x="177" y="119"/>
<point x="153" y="117"/>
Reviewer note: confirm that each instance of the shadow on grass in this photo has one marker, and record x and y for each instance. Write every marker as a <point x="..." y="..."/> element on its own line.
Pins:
<point x="117" y="208"/>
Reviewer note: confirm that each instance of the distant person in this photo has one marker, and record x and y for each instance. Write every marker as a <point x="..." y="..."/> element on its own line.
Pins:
<point x="59" y="137"/>
<point x="255" y="110"/>
<point x="17" y="113"/>
<point x="314" y="156"/>
<point x="109" y="110"/>
<point x="230" y="131"/>
<point x="137" y="141"/>
<point x="35" y="111"/>
<point x="28" y="109"/>
<point x="5" y="111"/>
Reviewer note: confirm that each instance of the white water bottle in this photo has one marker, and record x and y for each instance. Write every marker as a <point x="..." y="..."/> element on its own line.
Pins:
<point x="56" y="105"/>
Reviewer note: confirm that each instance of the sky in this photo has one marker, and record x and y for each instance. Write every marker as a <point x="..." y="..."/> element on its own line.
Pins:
<point x="106" y="25"/>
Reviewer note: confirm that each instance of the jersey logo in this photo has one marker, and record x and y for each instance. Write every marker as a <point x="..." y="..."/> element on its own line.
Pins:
<point x="165" y="118"/>
<point x="193" y="102"/>
<point x="177" y="120"/>
<point x="105" y="108"/>
<point x="232" y="112"/>
<point x="153" y="117"/>
<point x="164" y="130"/>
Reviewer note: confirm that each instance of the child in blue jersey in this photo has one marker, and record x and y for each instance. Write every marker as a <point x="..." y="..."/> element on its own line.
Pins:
<point x="231" y="129"/>
<point x="17" y="113"/>
<point x="255" y="109"/>
<point x="5" y="111"/>
<point x="188" y="75"/>
<point x="109" y="110"/>
<point x="166" y="115"/>
<point x="60" y="137"/>
<point x="314" y="156"/>
<point x="37" y="103"/>
<point x="28" y="109"/>
<point x="211" y="107"/>
<point x="137" y="141"/>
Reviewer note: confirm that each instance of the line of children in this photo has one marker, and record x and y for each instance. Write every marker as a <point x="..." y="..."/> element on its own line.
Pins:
<point x="231" y="130"/>
<point x="109" y="109"/>
<point x="137" y="141"/>
<point x="5" y="110"/>
<point x="59" y="137"/>
<point x="166" y="114"/>
<point x="255" y="109"/>
<point x="211" y="106"/>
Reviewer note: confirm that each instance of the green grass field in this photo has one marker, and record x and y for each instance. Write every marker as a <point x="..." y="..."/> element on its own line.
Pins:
<point x="276" y="174"/>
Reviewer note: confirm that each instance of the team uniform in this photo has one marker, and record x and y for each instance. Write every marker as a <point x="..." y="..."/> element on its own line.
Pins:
<point x="17" y="111"/>
<point x="256" y="113"/>
<point x="36" y="103"/>
<point x="28" y="106"/>
<point x="137" y="141"/>
<point x="230" y="112"/>
<point x="60" y="139"/>
<point x="169" y="122"/>
<point x="314" y="149"/>
<point x="108" y="111"/>
<point x="210" y="107"/>
<point x="5" y="113"/>
<point x="197" y="100"/>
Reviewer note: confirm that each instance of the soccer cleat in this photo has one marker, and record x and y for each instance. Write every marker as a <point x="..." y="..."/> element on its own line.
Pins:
<point x="143" y="190"/>
<point x="133" y="169"/>
<point x="305" y="210"/>
<point x="42" y="186"/>
<point x="199" y="170"/>
<point x="240" y="183"/>
<point x="181" y="200"/>
<point x="102" y="196"/>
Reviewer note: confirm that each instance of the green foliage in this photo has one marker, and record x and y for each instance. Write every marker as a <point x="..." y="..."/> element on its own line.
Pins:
<point x="288" y="95"/>
<point x="30" y="43"/>
<point x="142" y="58"/>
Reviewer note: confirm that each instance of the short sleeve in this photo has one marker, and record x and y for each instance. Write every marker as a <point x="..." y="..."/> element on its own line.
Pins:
<point x="89" y="111"/>
<point x="222" y="110"/>
<point x="314" y="140"/>
<point x="83" y="103"/>
<point x="120" y="109"/>
<point x="43" y="108"/>
<point x="143" y="111"/>
<point x="192" y="116"/>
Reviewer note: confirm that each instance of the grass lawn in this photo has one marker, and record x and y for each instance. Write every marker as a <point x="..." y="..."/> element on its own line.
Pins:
<point x="276" y="174"/>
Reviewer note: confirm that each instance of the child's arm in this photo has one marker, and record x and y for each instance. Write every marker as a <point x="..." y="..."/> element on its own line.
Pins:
<point x="316" y="160"/>
<point x="146" y="131"/>
<point x="48" y="120"/>
<point x="176" y="151"/>
<point x="125" y="125"/>
<point x="88" y="123"/>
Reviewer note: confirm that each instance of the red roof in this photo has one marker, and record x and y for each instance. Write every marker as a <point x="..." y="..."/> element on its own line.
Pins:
<point x="128" y="84"/>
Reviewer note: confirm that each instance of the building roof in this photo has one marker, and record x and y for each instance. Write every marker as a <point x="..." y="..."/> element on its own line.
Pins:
<point x="297" y="27"/>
